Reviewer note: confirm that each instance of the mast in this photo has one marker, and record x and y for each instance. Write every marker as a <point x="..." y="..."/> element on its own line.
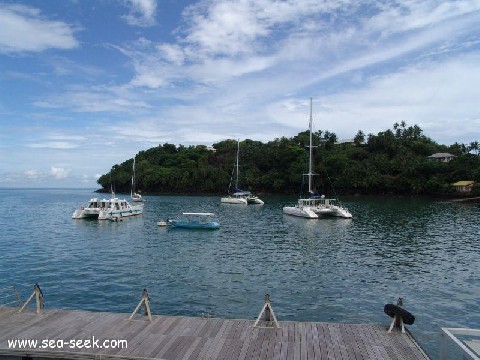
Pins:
<point x="132" y="191"/>
<point x="238" y="154"/>
<point x="310" y="152"/>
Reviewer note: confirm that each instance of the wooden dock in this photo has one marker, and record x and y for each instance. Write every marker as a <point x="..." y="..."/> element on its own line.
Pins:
<point x="178" y="337"/>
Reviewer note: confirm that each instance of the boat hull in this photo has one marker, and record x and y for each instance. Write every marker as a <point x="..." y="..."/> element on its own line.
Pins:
<point x="233" y="200"/>
<point x="130" y="211"/>
<point x="253" y="200"/>
<point x="84" y="214"/>
<point x="304" y="212"/>
<point x="195" y="225"/>
<point x="333" y="210"/>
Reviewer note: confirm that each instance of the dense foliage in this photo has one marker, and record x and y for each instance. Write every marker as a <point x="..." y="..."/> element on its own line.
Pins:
<point x="391" y="162"/>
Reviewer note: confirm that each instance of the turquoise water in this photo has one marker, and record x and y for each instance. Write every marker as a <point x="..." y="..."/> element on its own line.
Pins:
<point x="336" y="270"/>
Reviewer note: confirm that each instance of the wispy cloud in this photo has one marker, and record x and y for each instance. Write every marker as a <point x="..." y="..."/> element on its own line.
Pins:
<point x="91" y="100"/>
<point x="26" y="29"/>
<point x="59" y="173"/>
<point x="141" y="12"/>
<point x="53" y="145"/>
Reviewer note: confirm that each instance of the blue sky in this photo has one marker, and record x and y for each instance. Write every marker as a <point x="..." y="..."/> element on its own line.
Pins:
<point x="88" y="84"/>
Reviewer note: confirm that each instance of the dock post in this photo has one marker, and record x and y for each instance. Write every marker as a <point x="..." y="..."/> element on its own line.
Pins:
<point x="267" y="309"/>
<point x="145" y="301"/>
<point x="397" y="319"/>
<point x="37" y="293"/>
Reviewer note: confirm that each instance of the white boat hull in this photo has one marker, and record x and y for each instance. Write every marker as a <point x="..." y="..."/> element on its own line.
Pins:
<point x="83" y="214"/>
<point x="254" y="200"/>
<point x="131" y="211"/>
<point x="233" y="200"/>
<point x="304" y="212"/>
<point x="334" y="210"/>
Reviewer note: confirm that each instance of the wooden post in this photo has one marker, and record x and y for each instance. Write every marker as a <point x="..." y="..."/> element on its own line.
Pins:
<point x="37" y="293"/>
<point x="17" y="295"/>
<point x="267" y="309"/>
<point x="146" y="302"/>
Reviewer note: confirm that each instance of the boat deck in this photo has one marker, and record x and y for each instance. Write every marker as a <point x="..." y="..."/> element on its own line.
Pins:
<point x="177" y="337"/>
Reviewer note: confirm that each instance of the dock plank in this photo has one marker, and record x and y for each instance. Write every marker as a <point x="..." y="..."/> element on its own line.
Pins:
<point x="190" y="338"/>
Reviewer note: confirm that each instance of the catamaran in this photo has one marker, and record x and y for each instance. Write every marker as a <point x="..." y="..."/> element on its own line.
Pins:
<point x="315" y="205"/>
<point x="240" y="196"/>
<point x="305" y="207"/>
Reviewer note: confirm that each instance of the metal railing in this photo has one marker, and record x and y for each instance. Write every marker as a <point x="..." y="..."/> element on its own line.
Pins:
<point x="467" y="344"/>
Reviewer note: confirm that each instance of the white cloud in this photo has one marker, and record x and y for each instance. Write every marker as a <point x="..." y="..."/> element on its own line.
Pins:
<point x="436" y="96"/>
<point x="142" y="12"/>
<point x="306" y="40"/>
<point x="59" y="173"/>
<point x="25" y="29"/>
<point x="32" y="174"/>
<point x="104" y="100"/>
<point x="53" y="145"/>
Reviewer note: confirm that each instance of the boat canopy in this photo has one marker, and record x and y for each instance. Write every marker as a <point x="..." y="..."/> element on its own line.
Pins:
<point x="240" y="192"/>
<point x="199" y="214"/>
<point x="314" y="195"/>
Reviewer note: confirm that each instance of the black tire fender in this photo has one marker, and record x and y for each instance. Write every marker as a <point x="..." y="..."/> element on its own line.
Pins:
<point x="392" y="310"/>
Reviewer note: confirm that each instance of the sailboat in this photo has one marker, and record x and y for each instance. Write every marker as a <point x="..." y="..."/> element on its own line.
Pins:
<point x="240" y="196"/>
<point x="306" y="206"/>
<point x="316" y="205"/>
<point x="135" y="196"/>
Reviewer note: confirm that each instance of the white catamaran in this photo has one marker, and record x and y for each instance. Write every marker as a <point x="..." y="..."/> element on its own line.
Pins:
<point x="240" y="196"/>
<point x="315" y="205"/>
<point x="305" y="207"/>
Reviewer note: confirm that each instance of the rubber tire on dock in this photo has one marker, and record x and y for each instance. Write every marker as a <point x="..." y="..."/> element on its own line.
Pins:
<point x="392" y="310"/>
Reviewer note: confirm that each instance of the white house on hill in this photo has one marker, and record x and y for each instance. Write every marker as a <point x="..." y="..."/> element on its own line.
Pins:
<point x="442" y="157"/>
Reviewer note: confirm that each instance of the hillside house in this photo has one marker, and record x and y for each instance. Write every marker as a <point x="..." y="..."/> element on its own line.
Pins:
<point x="463" y="186"/>
<point x="442" y="157"/>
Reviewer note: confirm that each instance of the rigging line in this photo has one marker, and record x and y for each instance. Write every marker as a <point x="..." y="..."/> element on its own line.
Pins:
<point x="331" y="185"/>
<point x="302" y="184"/>
<point x="231" y="179"/>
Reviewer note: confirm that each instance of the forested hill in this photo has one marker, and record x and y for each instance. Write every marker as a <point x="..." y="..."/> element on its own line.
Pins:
<point x="391" y="162"/>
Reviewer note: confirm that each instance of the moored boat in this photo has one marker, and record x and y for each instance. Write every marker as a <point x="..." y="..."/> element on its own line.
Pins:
<point x="239" y="196"/>
<point x="305" y="207"/>
<point x="196" y="221"/>
<point x="108" y="209"/>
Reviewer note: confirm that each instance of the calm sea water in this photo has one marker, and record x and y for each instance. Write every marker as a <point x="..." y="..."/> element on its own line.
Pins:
<point x="334" y="270"/>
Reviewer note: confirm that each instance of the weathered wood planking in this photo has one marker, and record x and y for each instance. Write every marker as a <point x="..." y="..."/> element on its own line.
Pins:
<point x="189" y="338"/>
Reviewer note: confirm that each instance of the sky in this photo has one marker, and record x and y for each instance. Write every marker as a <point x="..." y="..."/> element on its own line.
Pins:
<point x="87" y="84"/>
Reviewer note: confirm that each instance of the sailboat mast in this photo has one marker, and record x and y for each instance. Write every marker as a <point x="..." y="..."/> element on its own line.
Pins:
<point x="238" y="154"/>
<point x="310" y="151"/>
<point x="132" y="190"/>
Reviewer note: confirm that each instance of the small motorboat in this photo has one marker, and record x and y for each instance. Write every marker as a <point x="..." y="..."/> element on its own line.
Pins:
<point x="196" y="221"/>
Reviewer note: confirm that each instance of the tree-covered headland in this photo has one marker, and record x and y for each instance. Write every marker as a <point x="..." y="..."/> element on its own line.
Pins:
<point x="394" y="161"/>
